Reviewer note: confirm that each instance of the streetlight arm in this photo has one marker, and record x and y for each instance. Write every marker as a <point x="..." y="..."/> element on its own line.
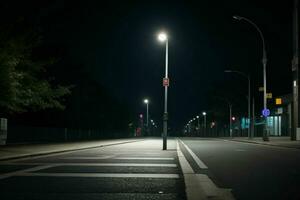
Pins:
<point x="238" y="72"/>
<point x="257" y="28"/>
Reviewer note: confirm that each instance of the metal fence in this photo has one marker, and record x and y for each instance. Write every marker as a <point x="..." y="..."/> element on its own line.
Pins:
<point x="20" y="134"/>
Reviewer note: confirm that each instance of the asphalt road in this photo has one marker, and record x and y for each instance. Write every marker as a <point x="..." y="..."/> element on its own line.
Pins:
<point x="252" y="171"/>
<point x="138" y="170"/>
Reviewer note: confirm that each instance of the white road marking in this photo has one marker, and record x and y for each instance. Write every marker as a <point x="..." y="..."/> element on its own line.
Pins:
<point x="99" y="164"/>
<point x="101" y="175"/>
<point x="89" y="157"/>
<point x="240" y="150"/>
<point x="185" y="166"/>
<point x="142" y="158"/>
<point x="195" y="157"/>
<point x="200" y="186"/>
<point x="15" y="173"/>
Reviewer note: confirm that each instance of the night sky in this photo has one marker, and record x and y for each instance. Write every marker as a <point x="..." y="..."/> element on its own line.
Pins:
<point x="116" y="44"/>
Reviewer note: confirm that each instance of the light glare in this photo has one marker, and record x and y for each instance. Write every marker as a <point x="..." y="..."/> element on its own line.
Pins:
<point x="162" y="37"/>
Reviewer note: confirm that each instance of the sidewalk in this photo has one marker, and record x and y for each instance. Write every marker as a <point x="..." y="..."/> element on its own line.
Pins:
<point x="274" y="141"/>
<point x="27" y="150"/>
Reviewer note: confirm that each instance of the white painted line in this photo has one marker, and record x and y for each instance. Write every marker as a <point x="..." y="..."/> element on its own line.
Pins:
<point x="185" y="166"/>
<point x="142" y="158"/>
<point x="240" y="150"/>
<point x="195" y="157"/>
<point x="100" y="164"/>
<point x="102" y="175"/>
<point x="15" y="173"/>
<point x="88" y="157"/>
<point x="200" y="186"/>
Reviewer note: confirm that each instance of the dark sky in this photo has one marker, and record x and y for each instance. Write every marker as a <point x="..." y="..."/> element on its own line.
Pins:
<point x="116" y="42"/>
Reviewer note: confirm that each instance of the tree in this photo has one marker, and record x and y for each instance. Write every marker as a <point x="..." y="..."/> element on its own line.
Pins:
<point x="23" y="84"/>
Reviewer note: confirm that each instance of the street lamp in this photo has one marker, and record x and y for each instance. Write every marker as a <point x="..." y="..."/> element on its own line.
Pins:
<point x="198" y="124"/>
<point x="249" y="97"/>
<point x="264" y="61"/>
<point x="204" y="115"/>
<point x="146" y="101"/>
<point x="164" y="38"/>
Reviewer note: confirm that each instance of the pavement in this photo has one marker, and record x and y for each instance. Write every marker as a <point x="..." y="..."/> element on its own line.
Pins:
<point x="27" y="150"/>
<point x="273" y="141"/>
<point x="112" y="169"/>
<point x="137" y="168"/>
<point x="134" y="169"/>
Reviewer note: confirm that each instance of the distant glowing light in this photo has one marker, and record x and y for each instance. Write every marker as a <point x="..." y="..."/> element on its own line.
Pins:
<point x="204" y="113"/>
<point x="162" y="37"/>
<point x="146" y="101"/>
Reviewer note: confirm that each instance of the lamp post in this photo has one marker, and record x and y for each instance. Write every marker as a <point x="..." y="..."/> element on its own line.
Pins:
<point x="230" y="119"/>
<point x="198" y="124"/>
<point x="249" y="97"/>
<point x="295" y="70"/>
<point x="264" y="62"/>
<point x="146" y="101"/>
<point x="164" y="38"/>
<point x="204" y="115"/>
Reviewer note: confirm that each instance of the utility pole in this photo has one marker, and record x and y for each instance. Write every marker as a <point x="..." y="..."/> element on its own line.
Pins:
<point x="295" y="70"/>
<point x="253" y="118"/>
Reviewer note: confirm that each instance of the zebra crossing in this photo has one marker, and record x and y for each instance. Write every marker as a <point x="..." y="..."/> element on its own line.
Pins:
<point x="139" y="170"/>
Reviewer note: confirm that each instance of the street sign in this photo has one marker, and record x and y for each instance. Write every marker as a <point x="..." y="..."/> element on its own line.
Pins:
<point x="265" y="112"/>
<point x="269" y="95"/>
<point x="166" y="82"/>
<point x="278" y="101"/>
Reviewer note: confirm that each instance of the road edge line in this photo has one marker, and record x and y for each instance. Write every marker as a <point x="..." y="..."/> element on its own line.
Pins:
<point x="200" y="186"/>
<point x="199" y="162"/>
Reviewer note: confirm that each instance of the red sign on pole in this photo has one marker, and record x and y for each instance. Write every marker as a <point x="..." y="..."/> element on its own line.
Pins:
<point x="166" y="82"/>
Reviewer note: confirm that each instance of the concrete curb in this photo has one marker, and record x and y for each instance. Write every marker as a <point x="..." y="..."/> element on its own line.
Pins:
<point x="200" y="186"/>
<point x="262" y="143"/>
<point x="62" y="151"/>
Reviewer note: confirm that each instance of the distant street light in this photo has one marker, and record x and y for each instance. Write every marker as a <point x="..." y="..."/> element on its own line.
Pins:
<point x="146" y="101"/>
<point x="264" y="61"/>
<point x="164" y="38"/>
<point x="204" y="115"/>
<point x="198" y="124"/>
<point x="249" y="97"/>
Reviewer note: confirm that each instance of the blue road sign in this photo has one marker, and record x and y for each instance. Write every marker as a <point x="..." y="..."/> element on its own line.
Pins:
<point x="266" y="112"/>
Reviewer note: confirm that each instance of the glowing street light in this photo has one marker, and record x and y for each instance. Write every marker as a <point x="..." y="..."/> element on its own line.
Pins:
<point x="204" y="115"/>
<point x="164" y="38"/>
<point x="146" y="101"/>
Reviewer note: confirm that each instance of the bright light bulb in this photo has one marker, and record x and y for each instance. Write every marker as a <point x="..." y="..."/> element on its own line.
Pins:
<point x="146" y="101"/>
<point x="162" y="37"/>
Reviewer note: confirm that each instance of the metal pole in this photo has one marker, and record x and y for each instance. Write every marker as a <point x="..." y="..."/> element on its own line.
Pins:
<point x="249" y="96"/>
<point x="295" y="69"/>
<point x="230" y="118"/>
<point x="205" y="125"/>
<point x="165" y="127"/>
<point x="264" y="61"/>
<point x="253" y="118"/>
<point x="249" y="108"/>
<point x="198" y="126"/>
<point x="148" y="116"/>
